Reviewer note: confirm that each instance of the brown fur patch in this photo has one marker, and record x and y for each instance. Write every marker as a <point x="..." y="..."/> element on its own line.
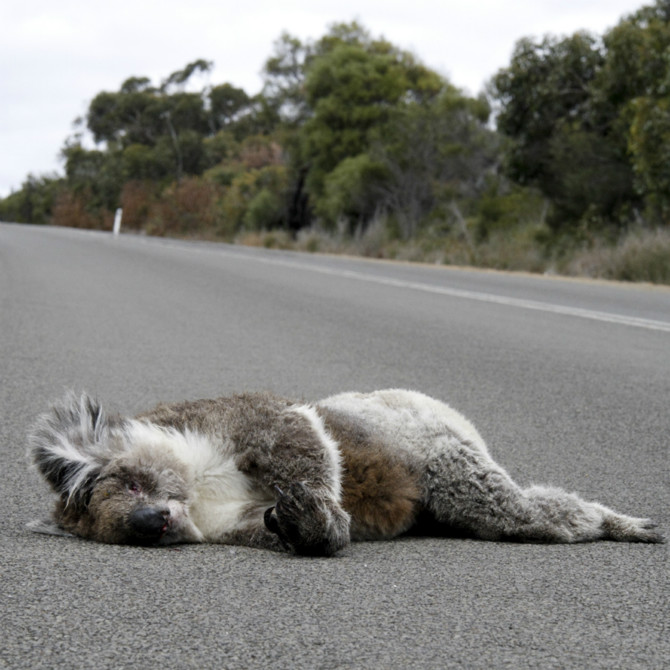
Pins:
<point x="379" y="492"/>
<point x="239" y="412"/>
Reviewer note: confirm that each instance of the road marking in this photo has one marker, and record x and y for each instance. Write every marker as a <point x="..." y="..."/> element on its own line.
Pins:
<point x="594" y="315"/>
<point x="536" y="305"/>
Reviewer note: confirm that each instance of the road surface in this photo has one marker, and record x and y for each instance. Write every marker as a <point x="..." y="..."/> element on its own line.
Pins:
<point x="568" y="381"/>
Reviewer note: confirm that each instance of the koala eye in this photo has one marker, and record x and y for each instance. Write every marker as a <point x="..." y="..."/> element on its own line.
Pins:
<point x="134" y="487"/>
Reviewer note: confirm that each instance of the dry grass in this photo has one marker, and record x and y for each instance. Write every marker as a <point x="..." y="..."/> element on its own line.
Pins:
<point x="642" y="256"/>
<point x="517" y="250"/>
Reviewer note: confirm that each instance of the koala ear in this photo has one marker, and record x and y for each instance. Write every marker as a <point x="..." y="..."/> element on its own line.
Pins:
<point x="69" y="445"/>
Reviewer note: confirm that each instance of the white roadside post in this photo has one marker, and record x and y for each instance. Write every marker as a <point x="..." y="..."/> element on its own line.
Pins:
<point x="117" y="221"/>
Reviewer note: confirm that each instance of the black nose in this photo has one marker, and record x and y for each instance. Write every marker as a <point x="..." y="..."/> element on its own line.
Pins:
<point x="149" y="522"/>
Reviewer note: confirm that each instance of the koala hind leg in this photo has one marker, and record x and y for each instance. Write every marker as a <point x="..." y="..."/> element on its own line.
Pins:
<point x="467" y="491"/>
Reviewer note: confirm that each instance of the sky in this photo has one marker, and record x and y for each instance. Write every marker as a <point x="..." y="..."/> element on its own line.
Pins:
<point x="56" y="56"/>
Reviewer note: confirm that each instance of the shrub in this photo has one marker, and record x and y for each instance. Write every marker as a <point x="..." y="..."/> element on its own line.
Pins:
<point x="638" y="257"/>
<point x="137" y="200"/>
<point x="351" y="190"/>
<point x="186" y="207"/>
<point x="258" y="152"/>
<point x="70" y="210"/>
<point x="263" y="211"/>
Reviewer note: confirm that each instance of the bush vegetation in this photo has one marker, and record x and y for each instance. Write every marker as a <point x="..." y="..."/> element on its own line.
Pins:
<point x="354" y="146"/>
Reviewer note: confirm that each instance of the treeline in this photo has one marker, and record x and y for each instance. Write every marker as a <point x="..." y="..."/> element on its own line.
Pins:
<point x="345" y="129"/>
<point x="350" y="132"/>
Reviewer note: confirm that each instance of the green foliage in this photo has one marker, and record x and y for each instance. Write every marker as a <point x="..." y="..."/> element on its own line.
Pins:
<point x="350" y="92"/>
<point x="186" y="113"/>
<point x="351" y="134"/>
<point x="96" y="174"/>
<point x="347" y="127"/>
<point x="502" y="208"/>
<point x="143" y="162"/>
<point x="435" y="153"/>
<point x="638" y="78"/>
<point x="352" y="190"/>
<point x="364" y="104"/>
<point x="255" y="198"/>
<point x="593" y="180"/>
<point x="589" y="121"/>
<point x="352" y="89"/>
<point x="649" y="145"/>
<point x="284" y="76"/>
<point x="337" y="97"/>
<point x="543" y="97"/>
<point x="129" y="116"/>
<point x="263" y="211"/>
<point x="33" y="202"/>
<point x="220" y="148"/>
<point x="180" y="77"/>
<point x="228" y="104"/>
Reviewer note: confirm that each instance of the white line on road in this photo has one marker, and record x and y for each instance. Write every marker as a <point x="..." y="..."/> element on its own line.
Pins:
<point x="536" y="305"/>
<point x="594" y="315"/>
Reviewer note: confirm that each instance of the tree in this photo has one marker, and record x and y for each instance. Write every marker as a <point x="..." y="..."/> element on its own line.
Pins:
<point x="353" y="190"/>
<point x="546" y="83"/>
<point x="563" y="143"/>
<point x="352" y="90"/>
<point x="434" y="154"/>
<point x="589" y="120"/>
<point x="179" y="78"/>
<point x="650" y="147"/>
<point x="129" y="116"/>
<point x="93" y="175"/>
<point x="347" y="126"/>
<point x="33" y="202"/>
<point x="635" y="81"/>
<point x="333" y="97"/>
<point x="227" y="104"/>
<point x="382" y="132"/>
<point x="284" y="78"/>
<point x="285" y="72"/>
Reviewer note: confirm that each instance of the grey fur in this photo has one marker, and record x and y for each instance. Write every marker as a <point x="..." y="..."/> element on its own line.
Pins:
<point x="262" y="471"/>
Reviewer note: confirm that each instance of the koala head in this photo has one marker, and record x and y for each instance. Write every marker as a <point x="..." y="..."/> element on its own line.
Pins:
<point x="116" y="480"/>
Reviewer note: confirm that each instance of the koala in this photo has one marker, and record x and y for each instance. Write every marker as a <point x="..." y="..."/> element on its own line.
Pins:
<point x="258" y="470"/>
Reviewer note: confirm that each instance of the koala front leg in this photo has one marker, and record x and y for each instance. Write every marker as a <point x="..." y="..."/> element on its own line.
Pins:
<point x="307" y="523"/>
<point x="301" y="465"/>
<point x="300" y="524"/>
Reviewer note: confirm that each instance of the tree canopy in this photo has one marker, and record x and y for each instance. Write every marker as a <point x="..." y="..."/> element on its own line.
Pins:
<point x="588" y="117"/>
<point x="349" y="128"/>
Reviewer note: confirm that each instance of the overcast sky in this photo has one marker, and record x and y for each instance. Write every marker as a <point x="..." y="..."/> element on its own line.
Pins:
<point x="55" y="56"/>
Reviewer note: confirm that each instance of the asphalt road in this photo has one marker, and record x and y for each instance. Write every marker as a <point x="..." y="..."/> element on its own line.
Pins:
<point x="568" y="381"/>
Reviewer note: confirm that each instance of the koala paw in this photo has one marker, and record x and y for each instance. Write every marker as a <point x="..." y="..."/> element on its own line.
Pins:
<point x="303" y="522"/>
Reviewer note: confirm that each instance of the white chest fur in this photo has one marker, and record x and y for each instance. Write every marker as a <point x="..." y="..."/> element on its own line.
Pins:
<point x="219" y="492"/>
<point x="220" y="495"/>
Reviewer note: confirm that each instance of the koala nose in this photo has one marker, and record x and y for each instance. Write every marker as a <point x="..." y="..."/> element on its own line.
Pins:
<point x="149" y="522"/>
